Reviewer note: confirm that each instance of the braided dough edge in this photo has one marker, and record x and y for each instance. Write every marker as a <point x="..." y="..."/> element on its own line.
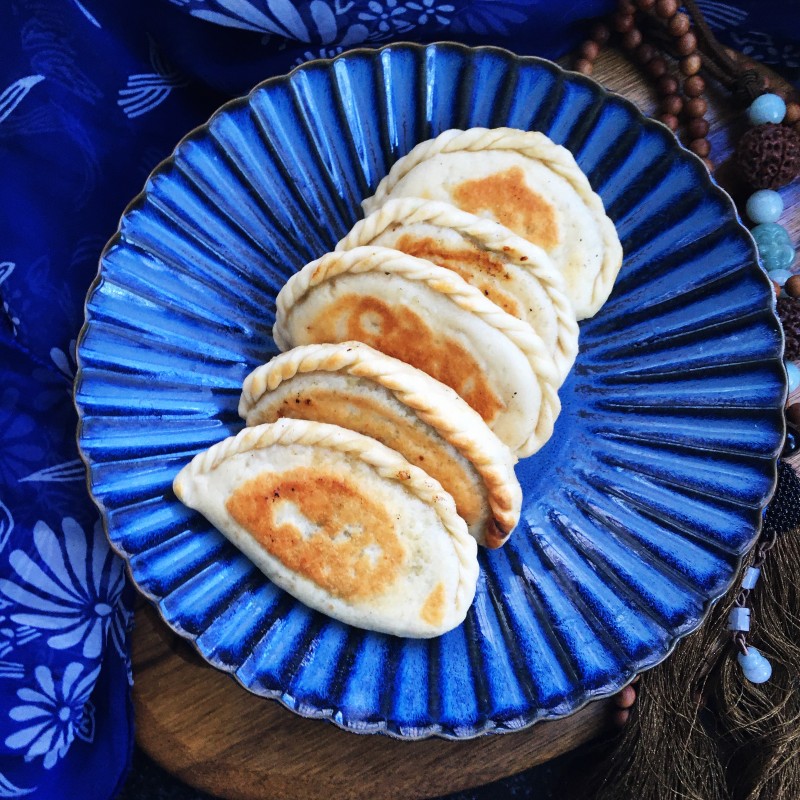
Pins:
<point x="446" y="282"/>
<point x="435" y="404"/>
<point x="532" y="144"/>
<point x="494" y="237"/>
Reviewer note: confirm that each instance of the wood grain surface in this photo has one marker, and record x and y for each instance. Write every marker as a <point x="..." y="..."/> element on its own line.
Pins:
<point x="201" y="726"/>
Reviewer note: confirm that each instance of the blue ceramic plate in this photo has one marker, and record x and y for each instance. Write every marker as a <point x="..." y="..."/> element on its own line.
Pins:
<point x="636" y="513"/>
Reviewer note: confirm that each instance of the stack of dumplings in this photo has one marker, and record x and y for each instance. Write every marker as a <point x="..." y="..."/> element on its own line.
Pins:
<point x="421" y="358"/>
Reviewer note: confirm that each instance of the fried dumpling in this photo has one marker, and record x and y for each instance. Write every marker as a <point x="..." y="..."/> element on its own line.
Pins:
<point x="341" y="522"/>
<point x="513" y="273"/>
<point x="355" y="386"/>
<point x="529" y="184"/>
<point x="429" y="317"/>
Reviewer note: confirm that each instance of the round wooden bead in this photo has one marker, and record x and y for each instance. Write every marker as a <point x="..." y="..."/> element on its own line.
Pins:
<point x="793" y="412"/>
<point x="776" y="287"/>
<point x="679" y="25"/>
<point x="687" y="44"/>
<point x="657" y="67"/>
<point x="696" y="107"/>
<point x="697" y="128"/>
<point x="601" y="33"/>
<point x="590" y="50"/>
<point x="792" y="287"/>
<point x="623" y="22"/>
<point x="691" y="65"/>
<point x="621" y="717"/>
<point x="672" y="104"/>
<point x="709" y="164"/>
<point x="583" y="66"/>
<point x="645" y="53"/>
<point x="667" y="85"/>
<point x="694" y="86"/>
<point x="792" y="113"/>
<point x="666" y="9"/>
<point x="670" y="120"/>
<point x="632" y="39"/>
<point x="700" y="146"/>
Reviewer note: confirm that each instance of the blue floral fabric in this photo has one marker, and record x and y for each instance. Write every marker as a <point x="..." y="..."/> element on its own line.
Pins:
<point x="93" y="94"/>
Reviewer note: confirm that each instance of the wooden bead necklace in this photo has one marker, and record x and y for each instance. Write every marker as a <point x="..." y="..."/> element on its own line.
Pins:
<point x="672" y="47"/>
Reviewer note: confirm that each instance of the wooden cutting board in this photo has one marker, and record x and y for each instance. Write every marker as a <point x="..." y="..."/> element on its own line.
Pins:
<point x="202" y="727"/>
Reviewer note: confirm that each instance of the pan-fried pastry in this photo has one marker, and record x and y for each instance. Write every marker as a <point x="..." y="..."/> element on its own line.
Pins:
<point x="354" y="386"/>
<point x="529" y="184"/>
<point x="341" y="522"/>
<point x="429" y="317"/>
<point x="513" y="273"/>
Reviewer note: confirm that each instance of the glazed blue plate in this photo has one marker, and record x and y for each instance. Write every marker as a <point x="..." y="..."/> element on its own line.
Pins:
<point x="636" y="513"/>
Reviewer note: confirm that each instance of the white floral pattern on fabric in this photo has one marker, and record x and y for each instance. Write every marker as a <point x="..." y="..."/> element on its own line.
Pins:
<point x="51" y="714"/>
<point x="146" y="90"/>
<point x="9" y="789"/>
<point x="13" y="95"/>
<point x="71" y="589"/>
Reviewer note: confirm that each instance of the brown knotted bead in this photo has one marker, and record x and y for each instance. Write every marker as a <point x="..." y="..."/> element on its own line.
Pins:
<point x="623" y="22"/>
<point x="679" y="25"/>
<point x="590" y="50"/>
<point x="632" y="39"/>
<point x="697" y="128"/>
<point x="694" y="86"/>
<point x="696" y="107"/>
<point x="687" y="44"/>
<point x="768" y="156"/>
<point x="666" y="9"/>
<point x="670" y="120"/>
<point x="691" y="65"/>
<point x="701" y="147"/>
<point x="645" y="53"/>
<point x="792" y="288"/>
<point x="672" y="104"/>
<point x="667" y="85"/>
<point x="657" y="67"/>
<point x="792" y="114"/>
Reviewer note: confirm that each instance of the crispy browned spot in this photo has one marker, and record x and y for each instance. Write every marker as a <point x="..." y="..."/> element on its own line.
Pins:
<point x="433" y="609"/>
<point x="509" y="199"/>
<point x="475" y="266"/>
<point x="401" y="333"/>
<point x="367" y="416"/>
<point x="348" y="545"/>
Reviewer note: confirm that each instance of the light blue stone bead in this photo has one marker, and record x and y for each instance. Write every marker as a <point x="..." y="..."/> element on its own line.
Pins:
<point x="793" y="375"/>
<point x="766" y="108"/>
<point x="774" y="246"/>
<point x="780" y="276"/>
<point x="739" y="619"/>
<point x="750" y="578"/>
<point x="764" y="206"/>
<point x="756" y="668"/>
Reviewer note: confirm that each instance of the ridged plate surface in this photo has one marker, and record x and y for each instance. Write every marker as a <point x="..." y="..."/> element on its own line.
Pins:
<point x="636" y="513"/>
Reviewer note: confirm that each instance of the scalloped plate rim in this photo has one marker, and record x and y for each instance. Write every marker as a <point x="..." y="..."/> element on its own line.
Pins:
<point x="435" y="730"/>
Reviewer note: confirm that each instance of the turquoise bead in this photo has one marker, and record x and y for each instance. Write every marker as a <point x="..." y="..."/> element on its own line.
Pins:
<point x="792" y="375"/>
<point x="766" y="108"/>
<point x="756" y="668"/>
<point x="774" y="246"/>
<point x="764" y="206"/>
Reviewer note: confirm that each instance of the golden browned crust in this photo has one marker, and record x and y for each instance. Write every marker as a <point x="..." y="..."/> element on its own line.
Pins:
<point x="386" y="463"/>
<point x="381" y="259"/>
<point x="449" y="415"/>
<point x="531" y="144"/>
